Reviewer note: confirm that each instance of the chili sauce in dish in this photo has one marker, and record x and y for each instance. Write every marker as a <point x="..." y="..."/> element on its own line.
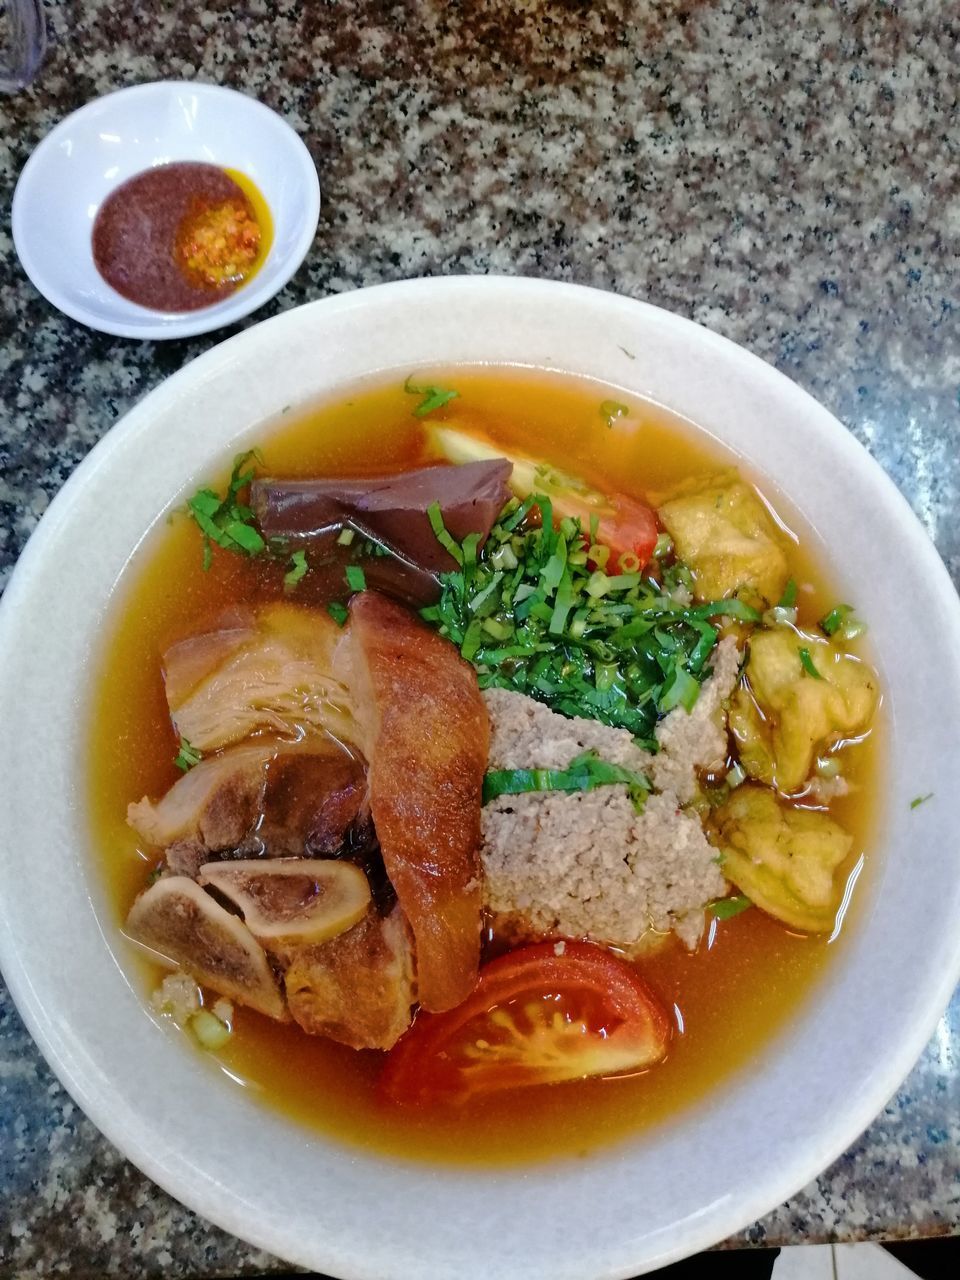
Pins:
<point x="181" y="236"/>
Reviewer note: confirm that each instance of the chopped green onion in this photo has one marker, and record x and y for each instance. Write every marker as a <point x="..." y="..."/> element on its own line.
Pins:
<point x="834" y="620"/>
<point x="789" y="597"/>
<point x="433" y="397"/>
<point x="611" y="410"/>
<point x="736" y="775"/>
<point x="338" y="612"/>
<point x="356" y="578"/>
<point x="780" y="615"/>
<point x="210" y="1032"/>
<point x="663" y="546"/>
<point x="828" y="766"/>
<point x="187" y="756"/>
<point x="681" y="689"/>
<point x="584" y="773"/>
<point x="345" y="537"/>
<point x="226" y="521"/>
<point x="806" y="661"/>
<point x="435" y="516"/>
<point x="917" y="801"/>
<point x="727" y="908"/>
<point x="298" y="567"/>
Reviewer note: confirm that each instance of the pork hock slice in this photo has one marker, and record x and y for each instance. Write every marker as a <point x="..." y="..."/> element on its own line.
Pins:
<point x="286" y="901"/>
<point x="273" y="677"/>
<point x="269" y="798"/>
<point x="426" y="736"/>
<point x="358" y="988"/>
<point x="184" y="925"/>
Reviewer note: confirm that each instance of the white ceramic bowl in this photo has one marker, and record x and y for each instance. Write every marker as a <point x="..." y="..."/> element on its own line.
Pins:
<point x="623" y="1210"/>
<point x="112" y="138"/>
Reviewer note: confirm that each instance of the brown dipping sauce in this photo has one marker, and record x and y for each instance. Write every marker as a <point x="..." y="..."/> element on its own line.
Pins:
<point x="178" y="237"/>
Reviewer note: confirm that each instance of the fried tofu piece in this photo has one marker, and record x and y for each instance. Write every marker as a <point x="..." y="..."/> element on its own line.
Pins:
<point x="728" y="540"/>
<point x="785" y="860"/>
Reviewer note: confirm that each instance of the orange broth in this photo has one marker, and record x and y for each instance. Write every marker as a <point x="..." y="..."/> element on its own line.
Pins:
<point x="748" y="978"/>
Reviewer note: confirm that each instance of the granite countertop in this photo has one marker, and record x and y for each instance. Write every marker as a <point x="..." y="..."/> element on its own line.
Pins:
<point x="786" y="174"/>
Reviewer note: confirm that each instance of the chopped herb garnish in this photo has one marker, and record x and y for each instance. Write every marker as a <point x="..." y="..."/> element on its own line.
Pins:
<point x="338" y="612"/>
<point x="807" y="663"/>
<point x="841" y="621"/>
<point x="433" y="397"/>
<point x="917" y="801"/>
<point x="227" y="521"/>
<point x="532" y="612"/>
<point x="356" y="578"/>
<point x="727" y="908"/>
<point x="789" y="597"/>
<point x="611" y="410"/>
<point x="584" y="773"/>
<point x="187" y="756"/>
<point x="298" y="567"/>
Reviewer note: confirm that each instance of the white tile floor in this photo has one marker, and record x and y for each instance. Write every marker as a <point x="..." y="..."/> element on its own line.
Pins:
<point x="838" y="1262"/>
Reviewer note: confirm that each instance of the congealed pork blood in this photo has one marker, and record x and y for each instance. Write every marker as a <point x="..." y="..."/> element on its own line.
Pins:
<point x="184" y="925"/>
<point x="426" y="737"/>
<point x="358" y="988"/>
<point x="268" y="798"/>
<point x="389" y="509"/>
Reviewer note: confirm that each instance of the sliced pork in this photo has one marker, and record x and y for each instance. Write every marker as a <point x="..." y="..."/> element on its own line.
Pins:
<point x="269" y="798"/>
<point x="359" y="988"/>
<point x="184" y="925"/>
<point x="425" y="734"/>
<point x="275" y="676"/>
<point x="288" y="901"/>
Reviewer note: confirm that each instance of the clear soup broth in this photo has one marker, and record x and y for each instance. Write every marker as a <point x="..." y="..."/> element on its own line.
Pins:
<point x="730" y="998"/>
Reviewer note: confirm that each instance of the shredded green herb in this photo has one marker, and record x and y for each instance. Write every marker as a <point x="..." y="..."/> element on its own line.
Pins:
<point x="727" y="908"/>
<point x="584" y="773"/>
<point x="356" y="579"/>
<point x="841" y="621"/>
<point x="298" y="567"/>
<point x="917" y="801"/>
<point x="531" y="612"/>
<point x="187" y="756"/>
<point x="338" y="612"/>
<point x="611" y="410"/>
<point x="433" y="397"/>
<point x="789" y="597"/>
<point x="227" y="521"/>
<point x="807" y="663"/>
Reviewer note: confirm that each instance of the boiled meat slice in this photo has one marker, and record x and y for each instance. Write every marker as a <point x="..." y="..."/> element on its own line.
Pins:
<point x="269" y="798"/>
<point x="359" y="988"/>
<point x="187" y="928"/>
<point x="425" y="735"/>
<point x="291" y="900"/>
<point x="274" y="677"/>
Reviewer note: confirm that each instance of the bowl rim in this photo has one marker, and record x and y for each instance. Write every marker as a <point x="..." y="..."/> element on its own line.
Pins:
<point x="175" y="325"/>
<point x="801" y="1164"/>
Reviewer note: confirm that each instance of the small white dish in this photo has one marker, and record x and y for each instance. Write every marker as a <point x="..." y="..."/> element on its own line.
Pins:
<point x="111" y="139"/>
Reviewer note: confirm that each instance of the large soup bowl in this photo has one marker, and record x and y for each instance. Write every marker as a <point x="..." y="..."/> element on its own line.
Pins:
<point x="633" y="1206"/>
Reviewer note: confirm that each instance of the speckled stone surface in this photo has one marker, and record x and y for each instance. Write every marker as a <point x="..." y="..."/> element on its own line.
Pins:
<point x="787" y="174"/>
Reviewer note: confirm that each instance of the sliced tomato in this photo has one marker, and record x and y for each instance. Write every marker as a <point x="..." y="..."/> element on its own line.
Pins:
<point x="631" y="529"/>
<point x="535" y="1017"/>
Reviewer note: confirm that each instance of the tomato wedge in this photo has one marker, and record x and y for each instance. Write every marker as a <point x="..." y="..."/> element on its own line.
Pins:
<point x="535" y="1017"/>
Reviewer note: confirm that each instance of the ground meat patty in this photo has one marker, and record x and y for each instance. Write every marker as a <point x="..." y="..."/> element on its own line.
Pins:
<point x="586" y="864"/>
